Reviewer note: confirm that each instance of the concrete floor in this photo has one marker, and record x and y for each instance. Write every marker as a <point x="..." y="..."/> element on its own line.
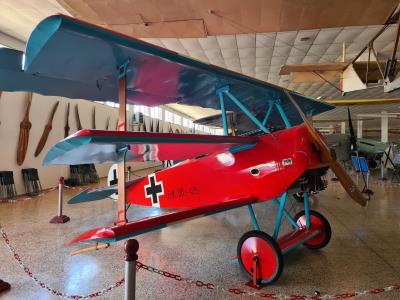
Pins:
<point x="363" y="253"/>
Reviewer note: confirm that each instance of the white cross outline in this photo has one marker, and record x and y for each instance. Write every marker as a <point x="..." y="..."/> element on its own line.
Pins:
<point x="157" y="194"/>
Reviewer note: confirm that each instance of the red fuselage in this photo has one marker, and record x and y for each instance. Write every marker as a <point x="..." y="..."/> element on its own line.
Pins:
<point x="262" y="172"/>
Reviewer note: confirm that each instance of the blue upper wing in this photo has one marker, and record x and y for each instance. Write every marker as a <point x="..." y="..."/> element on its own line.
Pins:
<point x="71" y="58"/>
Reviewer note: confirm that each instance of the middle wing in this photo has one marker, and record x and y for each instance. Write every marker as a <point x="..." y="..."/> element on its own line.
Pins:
<point x="100" y="146"/>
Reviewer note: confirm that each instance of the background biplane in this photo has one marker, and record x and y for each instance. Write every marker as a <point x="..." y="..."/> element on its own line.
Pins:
<point x="276" y="147"/>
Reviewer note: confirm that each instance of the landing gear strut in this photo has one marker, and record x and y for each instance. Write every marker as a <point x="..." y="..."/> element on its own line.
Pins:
<point x="261" y="256"/>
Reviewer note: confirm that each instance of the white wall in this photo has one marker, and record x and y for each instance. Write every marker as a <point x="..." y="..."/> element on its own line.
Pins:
<point x="12" y="110"/>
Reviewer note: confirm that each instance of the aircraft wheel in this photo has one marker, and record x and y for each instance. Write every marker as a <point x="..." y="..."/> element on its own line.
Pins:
<point x="269" y="256"/>
<point x="317" y="221"/>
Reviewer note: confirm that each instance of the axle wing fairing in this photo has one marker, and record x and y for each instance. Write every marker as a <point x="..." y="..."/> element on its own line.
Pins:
<point x="116" y="233"/>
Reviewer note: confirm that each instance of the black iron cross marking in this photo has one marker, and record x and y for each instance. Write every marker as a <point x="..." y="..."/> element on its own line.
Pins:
<point x="154" y="190"/>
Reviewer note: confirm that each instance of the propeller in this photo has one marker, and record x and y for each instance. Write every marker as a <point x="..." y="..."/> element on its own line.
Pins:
<point x="353" y="141"/>
<point x="327" y="157"/>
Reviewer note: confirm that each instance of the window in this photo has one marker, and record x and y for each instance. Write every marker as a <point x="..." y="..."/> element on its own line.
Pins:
<point x="177" y="119"/>
<point x="155" y="112"/>
<point x="114" y="104"/>
<point x="199" y="127"/>
<point x="185" y="122"/>
<point x="136" y="108"/>
<point x="145" y="110"/>
<point x="219" y="131"/>
<point x="169" y="116"/>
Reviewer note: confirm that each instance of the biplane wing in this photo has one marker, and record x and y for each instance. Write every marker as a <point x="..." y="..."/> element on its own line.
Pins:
<point x="101" y="146"/>
<point x="116" y="233"/>
<point x="71" y="58"/>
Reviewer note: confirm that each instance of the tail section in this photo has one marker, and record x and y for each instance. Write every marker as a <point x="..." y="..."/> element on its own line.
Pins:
<point x="97" y="194"/>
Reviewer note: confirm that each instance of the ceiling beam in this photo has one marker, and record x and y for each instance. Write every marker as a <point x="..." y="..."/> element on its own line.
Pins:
<point x="341" y="102"/>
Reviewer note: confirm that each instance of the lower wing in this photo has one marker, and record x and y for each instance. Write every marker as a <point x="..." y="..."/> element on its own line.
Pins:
<point x="116" y="233"/>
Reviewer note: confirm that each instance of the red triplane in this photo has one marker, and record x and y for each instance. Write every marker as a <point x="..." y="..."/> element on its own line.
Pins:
<point x="275" y="147"/>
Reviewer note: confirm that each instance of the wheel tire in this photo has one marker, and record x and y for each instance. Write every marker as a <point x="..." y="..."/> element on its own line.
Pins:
<point x="317" y="221"/>
<point x="268" y="252"/>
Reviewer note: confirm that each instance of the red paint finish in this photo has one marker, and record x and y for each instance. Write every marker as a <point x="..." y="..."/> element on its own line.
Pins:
<point x="158" y="78"/>
<point x="296" y="237"/>
<point x="268" y="260"/>
<point x="221" y="180"/>
<point x="316" y="224"/>
<point x="280" y="159"/>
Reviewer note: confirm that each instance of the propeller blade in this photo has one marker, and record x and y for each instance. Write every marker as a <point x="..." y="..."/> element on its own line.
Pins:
<point x="353" y="141"/>
<point x="326" y="156"/>
<point x="348" y="183"/>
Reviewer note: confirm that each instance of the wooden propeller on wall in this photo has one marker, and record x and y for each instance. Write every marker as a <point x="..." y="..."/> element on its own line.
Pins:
<point x="107" y="123"/>
<point x="66" y="127"/>
<point x="94" y="118"/>
<point x="78" y="120"/>
<point x="46" y="130"/>
<point x="25" y="127"/>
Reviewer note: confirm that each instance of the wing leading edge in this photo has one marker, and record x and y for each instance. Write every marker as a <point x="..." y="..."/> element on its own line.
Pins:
<point x="100" y="146"/>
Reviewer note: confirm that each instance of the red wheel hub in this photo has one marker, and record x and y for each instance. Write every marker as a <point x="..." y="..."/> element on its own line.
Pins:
<point x="268" y="260"/>
<point x="315" y="223"/>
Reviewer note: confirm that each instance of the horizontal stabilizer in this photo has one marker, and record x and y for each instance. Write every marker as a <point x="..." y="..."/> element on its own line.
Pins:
<point x="98" y="194"/>
<point x="116" y="233"/>
<point x="87" y="195"/>
<point x="101" y="146"/>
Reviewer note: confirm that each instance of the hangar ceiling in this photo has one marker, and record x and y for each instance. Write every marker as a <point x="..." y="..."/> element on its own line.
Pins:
<point x="283" y="35"/>
<point x="192" y="18"/>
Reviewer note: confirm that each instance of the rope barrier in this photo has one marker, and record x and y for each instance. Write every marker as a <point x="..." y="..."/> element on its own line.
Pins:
<point x="197" y="283"/>
<point x="238" y="291"/>
<point x="44" y="285"/>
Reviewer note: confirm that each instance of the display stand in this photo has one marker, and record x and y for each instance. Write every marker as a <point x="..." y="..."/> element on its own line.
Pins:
<point x="60" y="218"/>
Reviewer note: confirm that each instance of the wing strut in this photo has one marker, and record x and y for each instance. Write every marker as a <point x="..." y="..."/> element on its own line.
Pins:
<point x="225" y="90"/>
<point x="121" y="217"/>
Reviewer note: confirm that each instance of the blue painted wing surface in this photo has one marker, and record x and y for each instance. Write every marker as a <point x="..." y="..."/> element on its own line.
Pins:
<point x="13" y="78"/>
<point x="74" y="53"/>
<point x="88" y="195"/>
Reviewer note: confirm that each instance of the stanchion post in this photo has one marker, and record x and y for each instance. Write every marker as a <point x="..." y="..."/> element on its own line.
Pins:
<point x="131" y="249"/>
<point x="60" y="218"/>
<point x="382" y="171"/>
<point x="4" y="286"/>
